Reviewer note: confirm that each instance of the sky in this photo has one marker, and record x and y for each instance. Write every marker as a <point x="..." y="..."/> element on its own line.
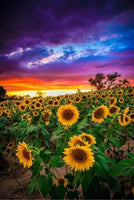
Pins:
<point x="60" y="44"/>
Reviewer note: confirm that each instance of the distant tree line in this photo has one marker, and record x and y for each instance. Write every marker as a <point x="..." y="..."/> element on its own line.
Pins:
<point x="2" y="93"/>
<point x="109" y="81"/>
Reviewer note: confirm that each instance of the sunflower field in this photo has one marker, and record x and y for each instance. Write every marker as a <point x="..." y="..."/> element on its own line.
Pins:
<point x="86" y="136"/>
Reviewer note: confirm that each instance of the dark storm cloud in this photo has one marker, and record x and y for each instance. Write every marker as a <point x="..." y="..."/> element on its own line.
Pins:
<point x="26" y="23"/>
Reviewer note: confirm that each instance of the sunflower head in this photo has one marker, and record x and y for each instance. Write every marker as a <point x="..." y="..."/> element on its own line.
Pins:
<point x="56" y="103"/>
<point x="99" y="114"/>
<point x="35" y="113"/>
<point x="79" y="158"/>
<point x="24" y="154"/>
<point x="68" y="115"/>
<point x="88" y="138"/>
<point x="22" y="108"/>
<point x="121" y="100"/>
<point x="61" y="181"/>
<point x="37" y="105"/>
<point x="77" y="140"/>
<point x="113" y="109"/>
<point x="112" y="101"/>
<point x="10" y="145"/>
<point x="131" y="115"/>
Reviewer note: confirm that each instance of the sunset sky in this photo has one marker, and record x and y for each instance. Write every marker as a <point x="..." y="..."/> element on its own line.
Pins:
<point x="60" y="44"/>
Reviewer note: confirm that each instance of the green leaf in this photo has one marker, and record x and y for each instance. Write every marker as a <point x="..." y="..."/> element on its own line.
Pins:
<point x="45" y="184"/>
<point x="56" y="161"/>
<point x="33" y="186"/>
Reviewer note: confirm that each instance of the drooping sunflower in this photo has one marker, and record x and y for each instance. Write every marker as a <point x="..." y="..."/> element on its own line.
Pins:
<point x="61" y="181"/>
<point x="131" y="115"/>
<point x="10" y="145"/>
<point x="113" y="109"/>
<point x="88" y="137"/>
<point x="24" y="154"/>
<point x="68" y="115"/>
<point x="124" y="120"/>
<point x="126" y="110"/>
<point x="79" y="158"/>
<point x="121" y="120"/>
<point x="99" y="114"/>
<point x="121" y="100"/>
<point x="22" y="108"/>
<point x="77" y="140"/>
<point x="112" y="101"/>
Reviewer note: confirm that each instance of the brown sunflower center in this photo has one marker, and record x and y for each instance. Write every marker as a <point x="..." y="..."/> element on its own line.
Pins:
<point x="111" y="101"/>
<point x="10" y="144"/>
<point x="87" y="139"/>
<point x="50" y="102"/>
<point x="99" y="113"/>
<point x="56" y="103"/>
<point x="126" y="119"/>
<point x="79" y="143"/>
<point x="61" y="181"/>
<point x="113" y="110"/>
<point x="67" y="114"/>
<point x="22" y="107"/>
<point x="27" y="102"/>
<point x="79" y="155"/>
<point x="26" y="154"/>
<point x="77" y="99"/>
<point x="132" y="116"/>
<point x="38" y="105"/>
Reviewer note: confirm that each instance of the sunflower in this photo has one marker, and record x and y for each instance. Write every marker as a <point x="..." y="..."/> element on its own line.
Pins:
<point x="17" y="103"/>
<point x="131" y="115"/>
<point x="77" y="100"/>
<point x="50" y="103"/>
<point x="22" y="108"/>
<point x="56" y="103"/>
<point x="112" y="101"/>
<point x="10" y="145"/>
<point x="89" y="96"/>
<point x="103" y="96"/>
<point x="41" y="100"/>
<point x="121" y="120"/>
<point x="26" y="102"/>
<point x="70" y="101"/>
<point x="97" y="102"/>
<point x="31" y="107"/>
<point x="88" y="104"/>
<point x="126" y="110"/>
<point x="9" y="115"/>
<point x="37" y="105"/>
<point x="79" y="158"/>
<point x="77" y="140"/>
<point x="124" y="120"/>
<point x="14" y="110"/>
<point x="88" y="137"/>
<point x="120" y="92"/>
<point x="61" y="181"/>
<point x="132" y="101"/>
<point x="99" y="114"/>
<point x="121" y="100"/>
<point x="68" y="115"/>
<point x="113" y="109"/>
<point x="35" y="113"/>
<point x="24" y="154"/>
<point x="24" y="117"/>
